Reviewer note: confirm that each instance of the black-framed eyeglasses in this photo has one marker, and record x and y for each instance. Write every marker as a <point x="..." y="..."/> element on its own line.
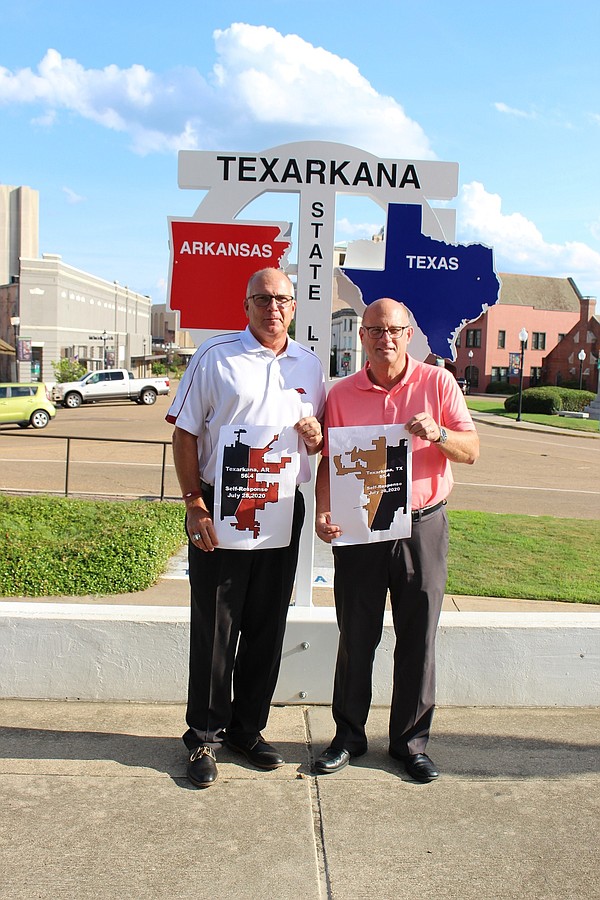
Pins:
<point x="264" y="300"/>
<point x="377" y="331"/>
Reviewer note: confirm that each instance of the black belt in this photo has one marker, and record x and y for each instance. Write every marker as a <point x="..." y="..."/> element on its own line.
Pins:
<point x="418" y="514"/>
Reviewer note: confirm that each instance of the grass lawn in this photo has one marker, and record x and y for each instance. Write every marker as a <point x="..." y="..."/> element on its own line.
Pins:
<point x="54" y="546"/>
<point x="524" y="557"/>
<point x="495" y="406"/>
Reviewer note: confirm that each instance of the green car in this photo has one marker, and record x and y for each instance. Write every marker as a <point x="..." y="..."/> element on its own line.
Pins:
<point x="25" y="404"/>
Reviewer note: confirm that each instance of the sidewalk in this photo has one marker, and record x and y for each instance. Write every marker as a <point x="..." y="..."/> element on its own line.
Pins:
<point x="96" y="804"/>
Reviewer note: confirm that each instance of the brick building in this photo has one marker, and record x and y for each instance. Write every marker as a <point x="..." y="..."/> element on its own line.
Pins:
<point x="488" y="348"/>
<point x="562" y="364"/>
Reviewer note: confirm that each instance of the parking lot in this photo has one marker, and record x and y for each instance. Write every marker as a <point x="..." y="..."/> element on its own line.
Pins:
<point x="519" y="470"/>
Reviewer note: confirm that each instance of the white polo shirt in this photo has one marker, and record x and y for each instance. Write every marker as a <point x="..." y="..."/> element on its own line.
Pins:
<point x="233" y="380"/>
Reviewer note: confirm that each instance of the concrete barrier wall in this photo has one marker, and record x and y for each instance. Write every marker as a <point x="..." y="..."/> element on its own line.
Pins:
<point x="70" y="651"/>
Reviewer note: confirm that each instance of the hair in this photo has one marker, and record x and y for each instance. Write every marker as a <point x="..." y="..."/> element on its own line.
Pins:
<point x="266" y="271"/>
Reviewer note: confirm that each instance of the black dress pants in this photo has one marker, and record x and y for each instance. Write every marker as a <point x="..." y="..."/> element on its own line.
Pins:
<point x="239" y="605"/>
<point x="414" y="570"/>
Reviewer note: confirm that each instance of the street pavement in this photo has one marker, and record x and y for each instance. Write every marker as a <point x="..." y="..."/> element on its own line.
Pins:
<point x="95" y="801"/>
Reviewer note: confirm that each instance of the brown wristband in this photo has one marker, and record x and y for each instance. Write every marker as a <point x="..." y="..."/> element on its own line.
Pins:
<point x="191" y="495"/>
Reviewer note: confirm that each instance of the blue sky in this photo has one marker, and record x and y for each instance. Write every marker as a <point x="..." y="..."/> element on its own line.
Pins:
<point x="97" y="97"/>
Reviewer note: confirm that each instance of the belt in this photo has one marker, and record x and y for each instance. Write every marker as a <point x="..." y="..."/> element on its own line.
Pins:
<point x="418" y="514"/>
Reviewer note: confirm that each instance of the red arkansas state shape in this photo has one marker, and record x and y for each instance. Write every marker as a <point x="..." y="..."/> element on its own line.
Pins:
<point x="210" y="267"/>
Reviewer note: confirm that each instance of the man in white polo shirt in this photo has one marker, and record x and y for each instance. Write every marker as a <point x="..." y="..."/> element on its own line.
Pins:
<point x="240" y="597"/>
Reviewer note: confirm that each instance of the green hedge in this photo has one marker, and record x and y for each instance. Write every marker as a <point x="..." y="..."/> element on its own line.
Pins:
<point x="501" y="387"/>
<point x="53" y="546"/>
<point x="549" y="400"/>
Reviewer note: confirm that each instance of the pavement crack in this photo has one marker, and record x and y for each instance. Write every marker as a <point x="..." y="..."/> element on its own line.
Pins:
<point x="317" y="813"/>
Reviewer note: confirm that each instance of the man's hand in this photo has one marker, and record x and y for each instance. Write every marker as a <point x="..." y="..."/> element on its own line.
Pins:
<point x="424" y="426"/>
<point x="325" y="529"/>
<point x="200" y="527"/>
<point x="311" y="433"/>
<point x="459" y="447"/>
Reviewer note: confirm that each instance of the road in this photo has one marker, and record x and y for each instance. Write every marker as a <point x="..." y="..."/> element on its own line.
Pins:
<point x="519" y="471"/>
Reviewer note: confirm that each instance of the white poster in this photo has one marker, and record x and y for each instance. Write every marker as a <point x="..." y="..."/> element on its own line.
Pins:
<point x="255" y="486"/>
<point x="370" y="474"/>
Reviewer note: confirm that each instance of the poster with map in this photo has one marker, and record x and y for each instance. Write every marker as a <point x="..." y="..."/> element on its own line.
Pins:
<point x="255" y="485"/>
<point x="370" y="472"/>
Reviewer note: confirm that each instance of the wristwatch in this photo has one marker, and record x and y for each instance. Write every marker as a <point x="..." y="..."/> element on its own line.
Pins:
<point x="443" y="436"/>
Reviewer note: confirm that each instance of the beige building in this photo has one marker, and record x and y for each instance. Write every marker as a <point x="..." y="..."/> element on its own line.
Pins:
<point x="50" y="310"/>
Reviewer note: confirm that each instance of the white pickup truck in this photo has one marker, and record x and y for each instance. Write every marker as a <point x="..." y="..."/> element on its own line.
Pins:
<point x="109" y="384"/>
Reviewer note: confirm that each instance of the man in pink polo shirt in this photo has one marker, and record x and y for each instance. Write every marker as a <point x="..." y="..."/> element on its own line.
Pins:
<point x="393" y="388"/>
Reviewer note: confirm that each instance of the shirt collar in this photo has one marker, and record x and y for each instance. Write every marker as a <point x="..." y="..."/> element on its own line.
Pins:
<point x="364" y="383"/>
<point x="251" y="345"/>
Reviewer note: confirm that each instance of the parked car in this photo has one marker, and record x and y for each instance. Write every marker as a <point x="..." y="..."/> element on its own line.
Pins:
<point x="109" y="384"/>
<point x="463" y="385"/>
<point x="26" y="404"/>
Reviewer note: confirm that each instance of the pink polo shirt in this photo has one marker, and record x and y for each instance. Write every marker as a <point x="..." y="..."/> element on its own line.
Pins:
<point x="355" y="400"/>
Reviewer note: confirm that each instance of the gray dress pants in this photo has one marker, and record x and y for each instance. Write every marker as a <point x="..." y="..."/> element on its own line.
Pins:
<point x="414" y="570"/>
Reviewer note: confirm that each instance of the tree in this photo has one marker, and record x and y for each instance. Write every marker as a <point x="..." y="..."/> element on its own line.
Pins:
<point x="68" y="370"/>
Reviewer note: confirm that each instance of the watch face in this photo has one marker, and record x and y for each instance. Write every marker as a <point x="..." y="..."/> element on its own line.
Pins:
<point x="443" y="435"/>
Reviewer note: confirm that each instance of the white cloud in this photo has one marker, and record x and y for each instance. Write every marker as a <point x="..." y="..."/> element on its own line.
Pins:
<point x="265" y="89"/>
<point x="347" y="230"/>
<point x="72" y="196"/>
<point x="518" y="244"/>
<point x="512" y="111"/>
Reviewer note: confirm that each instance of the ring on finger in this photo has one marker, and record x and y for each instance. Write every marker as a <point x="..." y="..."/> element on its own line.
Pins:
<point x="196" y="536"/>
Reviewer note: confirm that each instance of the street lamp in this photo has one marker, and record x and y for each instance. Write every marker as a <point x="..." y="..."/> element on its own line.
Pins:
<point x="104" y="337"/>
<point x="15" y="321"/>
<point x="523" y="335"/>
<point x="470" y="371"/>
<point x="581" y="358"/>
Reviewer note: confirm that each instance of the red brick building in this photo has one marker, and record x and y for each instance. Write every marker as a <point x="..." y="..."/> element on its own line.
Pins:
<point x="488" y="349"/>
<point x="562" y="364"/>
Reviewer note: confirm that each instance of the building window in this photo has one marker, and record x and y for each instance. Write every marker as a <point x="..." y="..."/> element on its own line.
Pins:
<point x="499" y="373"/>
<point x="501" y="340"/>
<point x="457" y="342"/>
<point x="473" y="337"/>
<point x="538" y="340"/>
<point x="535" y="376"/>
<point x="560" y="337"/>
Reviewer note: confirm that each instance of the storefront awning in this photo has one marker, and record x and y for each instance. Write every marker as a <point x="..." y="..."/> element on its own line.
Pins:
<point x="6" y="348"/>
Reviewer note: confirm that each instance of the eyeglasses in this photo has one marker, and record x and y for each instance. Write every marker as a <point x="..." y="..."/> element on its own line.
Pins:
<point x="394" y="331"/>
<point x="264" y="300"/>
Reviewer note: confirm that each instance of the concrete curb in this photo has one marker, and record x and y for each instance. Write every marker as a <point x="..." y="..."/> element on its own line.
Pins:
<point x="57" y="651"/>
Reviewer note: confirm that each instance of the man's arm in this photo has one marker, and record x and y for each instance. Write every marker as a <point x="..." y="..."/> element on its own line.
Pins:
<point x="198" y="518"/>
<point x="323" y="525"/>
<point x="460" y="446"/>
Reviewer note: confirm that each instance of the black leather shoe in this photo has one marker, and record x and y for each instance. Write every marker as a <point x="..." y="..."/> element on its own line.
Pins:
<point x="418" y="766"/>
<point x="202" y="767"/>
<point x="332" y="760"/>
<point x="258" y="752"/>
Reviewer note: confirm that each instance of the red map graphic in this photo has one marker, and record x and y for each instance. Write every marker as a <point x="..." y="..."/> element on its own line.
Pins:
<point x="210" y="267"/>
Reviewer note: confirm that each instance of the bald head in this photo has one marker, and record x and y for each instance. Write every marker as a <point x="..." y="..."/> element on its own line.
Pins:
<point x="269" y="273"/>
<point x="385" y="308"/>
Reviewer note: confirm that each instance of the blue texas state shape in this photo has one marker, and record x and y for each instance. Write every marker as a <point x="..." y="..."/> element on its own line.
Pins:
<point x="442" y="284"/>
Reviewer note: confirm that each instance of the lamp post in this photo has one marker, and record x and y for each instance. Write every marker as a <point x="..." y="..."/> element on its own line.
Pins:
<point x="470" y="371"/>
<point x="581" y="358"/>
<point x="104" y="337"/>
<point x="15" y="321"/>
<point x="523" y="335"/>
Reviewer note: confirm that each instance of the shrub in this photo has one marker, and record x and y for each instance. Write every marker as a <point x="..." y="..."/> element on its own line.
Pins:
<point x="501" y="387"/>
<point x="68" y="370"/>
<point x="544" y="400"/>
<point x="55" y="546"/>
<point x="549" y="400"/>
<point x="575" y="400"/>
